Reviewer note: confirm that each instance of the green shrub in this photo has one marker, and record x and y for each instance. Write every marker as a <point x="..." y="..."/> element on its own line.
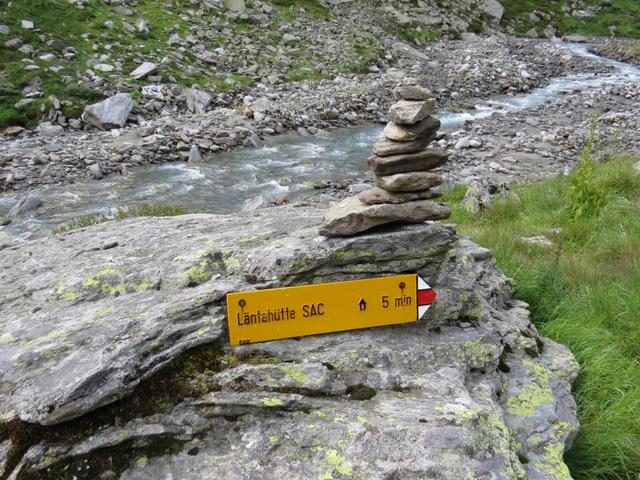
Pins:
<point x="586" y="195"/>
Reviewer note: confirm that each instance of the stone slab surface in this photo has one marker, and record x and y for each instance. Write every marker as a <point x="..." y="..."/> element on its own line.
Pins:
<point x="423" y="160"/>
<point x="409" y="181"/>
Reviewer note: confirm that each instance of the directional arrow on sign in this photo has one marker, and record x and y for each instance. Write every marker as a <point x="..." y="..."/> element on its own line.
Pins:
<point x="426" y="297"/>
<point x="362" y="304"/>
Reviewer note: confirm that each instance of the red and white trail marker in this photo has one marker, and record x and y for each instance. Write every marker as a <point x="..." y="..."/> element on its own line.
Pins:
<point x="426" y="297"/>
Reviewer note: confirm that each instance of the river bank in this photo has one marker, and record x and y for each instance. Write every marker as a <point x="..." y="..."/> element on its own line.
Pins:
<point x="459" y="73"/>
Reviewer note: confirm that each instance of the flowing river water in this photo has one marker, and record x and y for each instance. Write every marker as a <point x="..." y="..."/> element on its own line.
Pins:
<point x="285" y="165"/>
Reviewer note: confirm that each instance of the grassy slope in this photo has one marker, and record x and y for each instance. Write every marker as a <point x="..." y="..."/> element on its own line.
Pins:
<point x="63" y="24"/>
<point x="59" y="24"/>
<point x="624" y="14"/>
<point x="584" y="293"/>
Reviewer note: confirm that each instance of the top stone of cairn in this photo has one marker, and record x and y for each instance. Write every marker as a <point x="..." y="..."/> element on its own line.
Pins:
<point x="410" y="112"/>
<point x="410" y="90"/>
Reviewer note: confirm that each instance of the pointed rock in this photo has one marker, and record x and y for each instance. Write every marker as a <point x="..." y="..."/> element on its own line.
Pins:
<point x="427" y="159"/>
<point x="386" y="147"/>
<point x="409" y="112"/>
<point x="146" y="68"/>
<point x="377" y="196"/>
<point x="351" y="216"/>
<point x="409" y="182"/>
<point x="405" y="133"/>
<point x="110" y="113"/>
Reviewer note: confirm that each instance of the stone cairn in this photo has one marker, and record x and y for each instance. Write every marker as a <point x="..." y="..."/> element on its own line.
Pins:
<point x="402" y="164"/>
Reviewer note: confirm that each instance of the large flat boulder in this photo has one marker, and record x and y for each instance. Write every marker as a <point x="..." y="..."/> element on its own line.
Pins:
<point x="471" y="391"/>
<point x="89" y="314"/>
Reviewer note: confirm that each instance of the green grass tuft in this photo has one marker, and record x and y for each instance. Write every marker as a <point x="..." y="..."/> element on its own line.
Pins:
<point x="584" y="293"/>
<point x="122" y="213"/>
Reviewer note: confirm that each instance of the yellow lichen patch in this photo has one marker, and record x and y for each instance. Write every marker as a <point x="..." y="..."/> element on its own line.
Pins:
<point x="273" y="439"/>
<point x="361" y="420"/>
<point x="232" y="263"/>
<point x="96" y="279"/>
<point x="272" y="402"/>
<point x="537" y="393"/>
<point x="337" y="461"/>
<point x="115" y="290"/>
<point x="553" y="463"/>
<point x="198" y="274"/>
<point x="105" y="311"/>
<point x="144" y="285"/>
<point x="7" y="416"/>
<point x="462" y="411"/>
<point x="142" y="462"/>
<point x="248" y="239"/>
<point x="56" y="350"/>
<point x="6" y="339"/>
<point x="56" y="335"/>
<point x="478" y="353"/>
<point x="296" y="374"/>
<point x="70" y="296"/>
<point x="203" y="331"/>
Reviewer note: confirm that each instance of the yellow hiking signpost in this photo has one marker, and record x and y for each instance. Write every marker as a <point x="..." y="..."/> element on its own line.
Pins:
<point x="264" y="315"/>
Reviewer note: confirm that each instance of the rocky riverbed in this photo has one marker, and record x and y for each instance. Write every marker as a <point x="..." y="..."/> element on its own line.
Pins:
<point x="457" y="72"/>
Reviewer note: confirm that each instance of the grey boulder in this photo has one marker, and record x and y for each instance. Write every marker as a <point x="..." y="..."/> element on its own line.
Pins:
<point x="492" y="9"/>
<point x="25" y="204"/>
<point x="471" y="391"/>
<point x="110" y="113"/>
<point x="146" y="68"/>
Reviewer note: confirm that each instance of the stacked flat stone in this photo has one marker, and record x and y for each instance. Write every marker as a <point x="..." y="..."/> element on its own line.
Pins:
<point x="402" y="164"/>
